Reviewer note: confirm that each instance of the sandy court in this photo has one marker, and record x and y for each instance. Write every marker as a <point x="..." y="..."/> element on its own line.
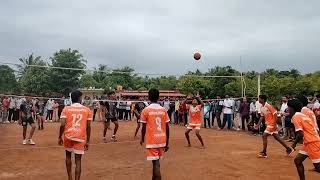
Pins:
<point x="228" y="155"/>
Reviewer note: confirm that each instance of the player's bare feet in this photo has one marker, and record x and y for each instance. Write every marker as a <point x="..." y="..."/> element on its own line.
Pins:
<point x="114" y="139"/>
<point x="105" y="140"/>
<point x="202" y="147"/>
<point x="262" y="155"/>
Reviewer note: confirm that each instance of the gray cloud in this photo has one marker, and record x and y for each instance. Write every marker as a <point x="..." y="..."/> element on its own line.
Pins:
<point x="160" y="36"/>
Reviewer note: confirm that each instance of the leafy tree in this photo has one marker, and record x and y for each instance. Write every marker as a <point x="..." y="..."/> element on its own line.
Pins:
<point x="33" y="79"/>
<point x="169" y="82"/>
<point x="65" y="80"/>
<point x="7" y="79"/>
<point x="87" y="81"/>
<point x="100" y="75"/>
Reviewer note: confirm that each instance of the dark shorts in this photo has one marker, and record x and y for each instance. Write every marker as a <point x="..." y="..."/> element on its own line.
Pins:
<point x="111" y="119"/>
<point x="26" y="121"/>
<point x="288" y="123"/>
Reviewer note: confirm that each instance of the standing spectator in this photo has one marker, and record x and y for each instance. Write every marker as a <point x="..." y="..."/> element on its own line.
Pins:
<point x="171" y="110"/>
<point x="96" y="107"/>
<point x="1" y="109"/>
<point x="218" y="111"/>
<point x="50" y="110"/>
<point x="5" y="105"/>
<point x="311" y="102"/>
<point x="127" y="115"/>
<point x="227" y="112"/>
<point x="185" y="112"/>
<point x="61" y="106"/>
<point x="236" y="114"/>
<point x="212" y="113"/>
<point x="132" y="110"/>
<point x="176" y="111"/>
<point x="316" y="109"/>
<point x="12" y="107"/>
<point x="253" y="111"/>
<point x="207" y="108"/>
<point x="67" y="101"/>
<point x="181" y="114"/>
<point x="55" y="111"/>
<point x="17" y="109"/>
<point x="122" y="105"/>
<point x="244" y="112"/>
<point x="263" y="124"/>
<point x="87" y="102"/>
<point x="283" y="114"/>
<point x="166" y="105"/>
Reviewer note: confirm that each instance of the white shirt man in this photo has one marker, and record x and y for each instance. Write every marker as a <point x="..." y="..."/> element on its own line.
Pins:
<point x="166" y="104"/>
<point x="18" y="103"/>
<point x="50" y="105"/>
<point x="228" y="103"/>
<point x="253" y="108"/>
<point x="258" y="107"/>
<point x="12" y="104"/>
<point x="316" y="105"/>
<point x="284" y="106"/>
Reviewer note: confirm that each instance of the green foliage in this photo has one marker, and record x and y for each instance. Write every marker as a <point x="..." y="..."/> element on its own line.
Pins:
<point x="87" y="81"/>
<point x="46" y="80"/>
<point x="66" y="80"/>
<point x="34" y="80"/>
<point x="7" y="80"/>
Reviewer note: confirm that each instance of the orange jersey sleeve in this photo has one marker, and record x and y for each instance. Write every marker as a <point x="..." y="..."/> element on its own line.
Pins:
<point x="308" y="112"/>
<point x="296" y="120"/>
<point x="306" y="124"/>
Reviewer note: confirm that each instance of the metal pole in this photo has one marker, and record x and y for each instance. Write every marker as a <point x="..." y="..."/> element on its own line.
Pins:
<point x="259" y="84"/>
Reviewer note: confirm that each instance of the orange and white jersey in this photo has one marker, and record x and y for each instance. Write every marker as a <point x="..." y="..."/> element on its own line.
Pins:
<point x="156" y="118"/>
<point x="305" y="124"/>
<point x="308" y="112"/>
<point x="268" y="111"/>
<point x="195" y="115"/>
<point x="76" y="117"/>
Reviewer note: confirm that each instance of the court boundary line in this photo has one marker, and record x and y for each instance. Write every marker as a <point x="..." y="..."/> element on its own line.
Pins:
<point x="31" y="147"/>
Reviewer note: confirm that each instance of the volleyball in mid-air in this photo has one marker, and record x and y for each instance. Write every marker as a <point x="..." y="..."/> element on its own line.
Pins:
<point x="197" y="56"/>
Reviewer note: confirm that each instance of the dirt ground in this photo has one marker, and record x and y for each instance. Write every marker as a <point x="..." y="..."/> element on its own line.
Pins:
<point x="228" y="156"/>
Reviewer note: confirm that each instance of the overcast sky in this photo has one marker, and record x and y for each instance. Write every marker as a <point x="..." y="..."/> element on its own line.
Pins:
<point x="161" y="36"/>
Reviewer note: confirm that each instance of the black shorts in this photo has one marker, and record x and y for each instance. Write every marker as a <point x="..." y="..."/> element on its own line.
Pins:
<point x="26" y="121"/>
<point x="288" y="123"/>
<point x="111" y="119"/>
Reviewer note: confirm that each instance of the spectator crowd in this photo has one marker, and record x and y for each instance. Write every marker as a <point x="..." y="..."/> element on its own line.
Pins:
<point x="230" y="113"/>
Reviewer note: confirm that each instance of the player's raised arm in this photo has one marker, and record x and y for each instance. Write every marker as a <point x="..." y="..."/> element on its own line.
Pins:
<point x="200" y="101"/>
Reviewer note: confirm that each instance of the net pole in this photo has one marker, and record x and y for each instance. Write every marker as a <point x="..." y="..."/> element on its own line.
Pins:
<point x="259" y="85"/>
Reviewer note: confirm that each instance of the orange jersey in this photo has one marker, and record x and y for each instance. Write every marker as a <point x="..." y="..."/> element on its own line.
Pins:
<point x="195" y="115"/>
<point x="76" y="117"/>
<point x="156" y="118"/>
<point x="308" y="112"/>
<point x="305" y="124"/>
<point x="268" y="111"/>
